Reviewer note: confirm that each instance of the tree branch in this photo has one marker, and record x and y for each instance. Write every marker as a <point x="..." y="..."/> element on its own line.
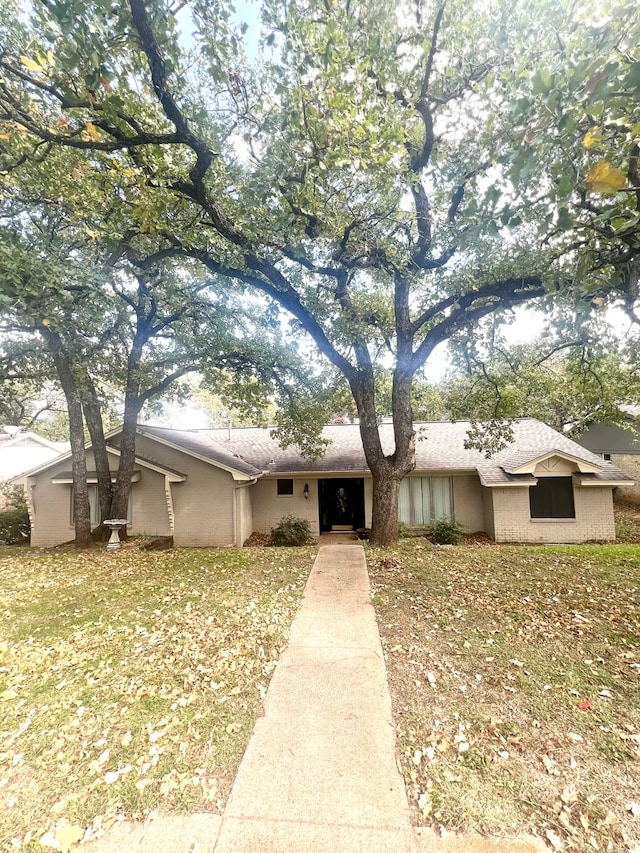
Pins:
<point x="204" y="156"/>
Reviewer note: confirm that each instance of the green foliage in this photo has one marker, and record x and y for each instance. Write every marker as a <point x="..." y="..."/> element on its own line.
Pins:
<point x="11" y="496"/>
<point x="446" y="531"/>
<point x="291" y="531"/>
<point x="14" y="526"/>
<point x="578" y="118"/>
<point x="567" y="387"/>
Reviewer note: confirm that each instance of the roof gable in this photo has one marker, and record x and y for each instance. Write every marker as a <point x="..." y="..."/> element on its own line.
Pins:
<point x="526" y="462"/>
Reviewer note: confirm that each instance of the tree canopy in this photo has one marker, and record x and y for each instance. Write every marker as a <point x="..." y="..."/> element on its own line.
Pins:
<point x="569" y="387"/>
<point x="388" y="180"/>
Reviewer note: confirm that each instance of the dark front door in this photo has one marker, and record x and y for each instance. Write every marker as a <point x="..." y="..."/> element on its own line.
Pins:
<point x="341" y="503"/>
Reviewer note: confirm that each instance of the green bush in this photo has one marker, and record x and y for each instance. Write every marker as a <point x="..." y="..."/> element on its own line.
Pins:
<point x="12" y="497"/>
<point x="291" y="531"/>
<point x="14" y="526"/>
<point x="446" y="531"/>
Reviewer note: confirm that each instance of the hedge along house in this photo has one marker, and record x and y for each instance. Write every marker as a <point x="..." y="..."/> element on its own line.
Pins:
<point x="216" y="487"/>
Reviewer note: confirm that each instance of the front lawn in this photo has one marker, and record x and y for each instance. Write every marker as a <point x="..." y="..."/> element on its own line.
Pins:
<point x="130" y="681"/>
<point x="515" y="679"/>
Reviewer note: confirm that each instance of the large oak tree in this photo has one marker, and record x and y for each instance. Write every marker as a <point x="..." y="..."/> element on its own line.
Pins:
<point x="362" y="171"/>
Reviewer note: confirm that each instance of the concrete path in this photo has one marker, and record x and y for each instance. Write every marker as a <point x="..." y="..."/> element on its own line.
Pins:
<point x="319" y="773"/>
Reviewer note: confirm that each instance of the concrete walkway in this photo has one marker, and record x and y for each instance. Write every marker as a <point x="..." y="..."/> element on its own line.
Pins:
<point x="319" y="774"/>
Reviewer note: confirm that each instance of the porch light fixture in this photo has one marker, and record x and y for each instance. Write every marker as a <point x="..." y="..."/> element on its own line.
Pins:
<point x="305" y="491"/>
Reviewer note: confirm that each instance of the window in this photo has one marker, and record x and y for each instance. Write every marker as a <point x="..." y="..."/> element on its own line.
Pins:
<point x="94" y="506"/>
<point x="285" y="487"/>
<point x="425" y="499"/>
<point x="552" y="497"/>
<point x="606" y="457"/>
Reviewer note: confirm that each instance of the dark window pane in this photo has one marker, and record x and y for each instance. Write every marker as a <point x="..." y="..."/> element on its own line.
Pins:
<point x="285" y="487"/>
<point x="552" y="497"/>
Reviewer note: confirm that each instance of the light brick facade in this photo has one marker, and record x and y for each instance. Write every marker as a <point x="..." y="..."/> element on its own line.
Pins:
<point x="212" y="488"/>
<point x="512" y="520"/>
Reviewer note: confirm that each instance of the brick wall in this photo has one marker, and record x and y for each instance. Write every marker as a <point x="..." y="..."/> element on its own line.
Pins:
<point x="594" y="517"/>
<point x="467" y="502"/>
<point x="269" y="507"/>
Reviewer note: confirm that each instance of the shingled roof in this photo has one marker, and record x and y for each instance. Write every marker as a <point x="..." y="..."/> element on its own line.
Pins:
<point x="440" y="447"/>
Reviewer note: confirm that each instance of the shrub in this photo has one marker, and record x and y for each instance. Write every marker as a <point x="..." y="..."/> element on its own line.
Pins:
<point x="14" y="526"/>
<point x="291" y="531"/>
<point x="11" y="497"/>
<point x="446" y="531"/>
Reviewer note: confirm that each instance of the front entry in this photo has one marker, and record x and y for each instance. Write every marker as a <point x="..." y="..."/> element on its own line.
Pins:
<point x="341" y="503"/>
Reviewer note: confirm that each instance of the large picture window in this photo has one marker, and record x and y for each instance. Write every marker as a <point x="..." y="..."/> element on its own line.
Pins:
<point x="425" y="499"/>
<point x="552" y="497"/>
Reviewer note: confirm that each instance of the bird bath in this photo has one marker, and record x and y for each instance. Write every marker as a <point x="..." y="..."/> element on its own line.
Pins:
<point x="115" y="524"/>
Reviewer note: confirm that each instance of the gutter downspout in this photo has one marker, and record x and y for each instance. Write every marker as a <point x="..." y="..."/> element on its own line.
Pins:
<point x="234" y="522"/>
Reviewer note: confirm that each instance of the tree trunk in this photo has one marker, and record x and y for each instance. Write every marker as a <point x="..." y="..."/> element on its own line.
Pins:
<point x="120" y="503"/>
<point x="81" y="509"/>
<point x="384" y="523"/>
<point x="132" y="406"/>
<point x="387" y="471"/>
<point x="93" y="418"/>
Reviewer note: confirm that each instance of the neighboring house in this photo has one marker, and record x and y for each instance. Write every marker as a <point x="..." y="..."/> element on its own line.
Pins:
<point x="621" y="446"/>
<point x="216" y="487"/>
<point x="22" y="451"/>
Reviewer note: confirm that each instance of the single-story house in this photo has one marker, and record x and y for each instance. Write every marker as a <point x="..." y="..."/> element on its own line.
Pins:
<point x="217" y="486"/>
<point x="621" y="446"/>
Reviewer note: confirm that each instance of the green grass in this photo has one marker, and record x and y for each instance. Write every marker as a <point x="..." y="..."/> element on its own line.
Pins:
<point x="130" y="681"/>
<point x="490" y="653"/>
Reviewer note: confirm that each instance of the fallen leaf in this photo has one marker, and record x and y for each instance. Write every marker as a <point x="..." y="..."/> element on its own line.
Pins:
<point x="569" y="795"/>
<point x="8" y="694"/>
<point x="63" y="836"/>
<point x="554" y="839"/>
